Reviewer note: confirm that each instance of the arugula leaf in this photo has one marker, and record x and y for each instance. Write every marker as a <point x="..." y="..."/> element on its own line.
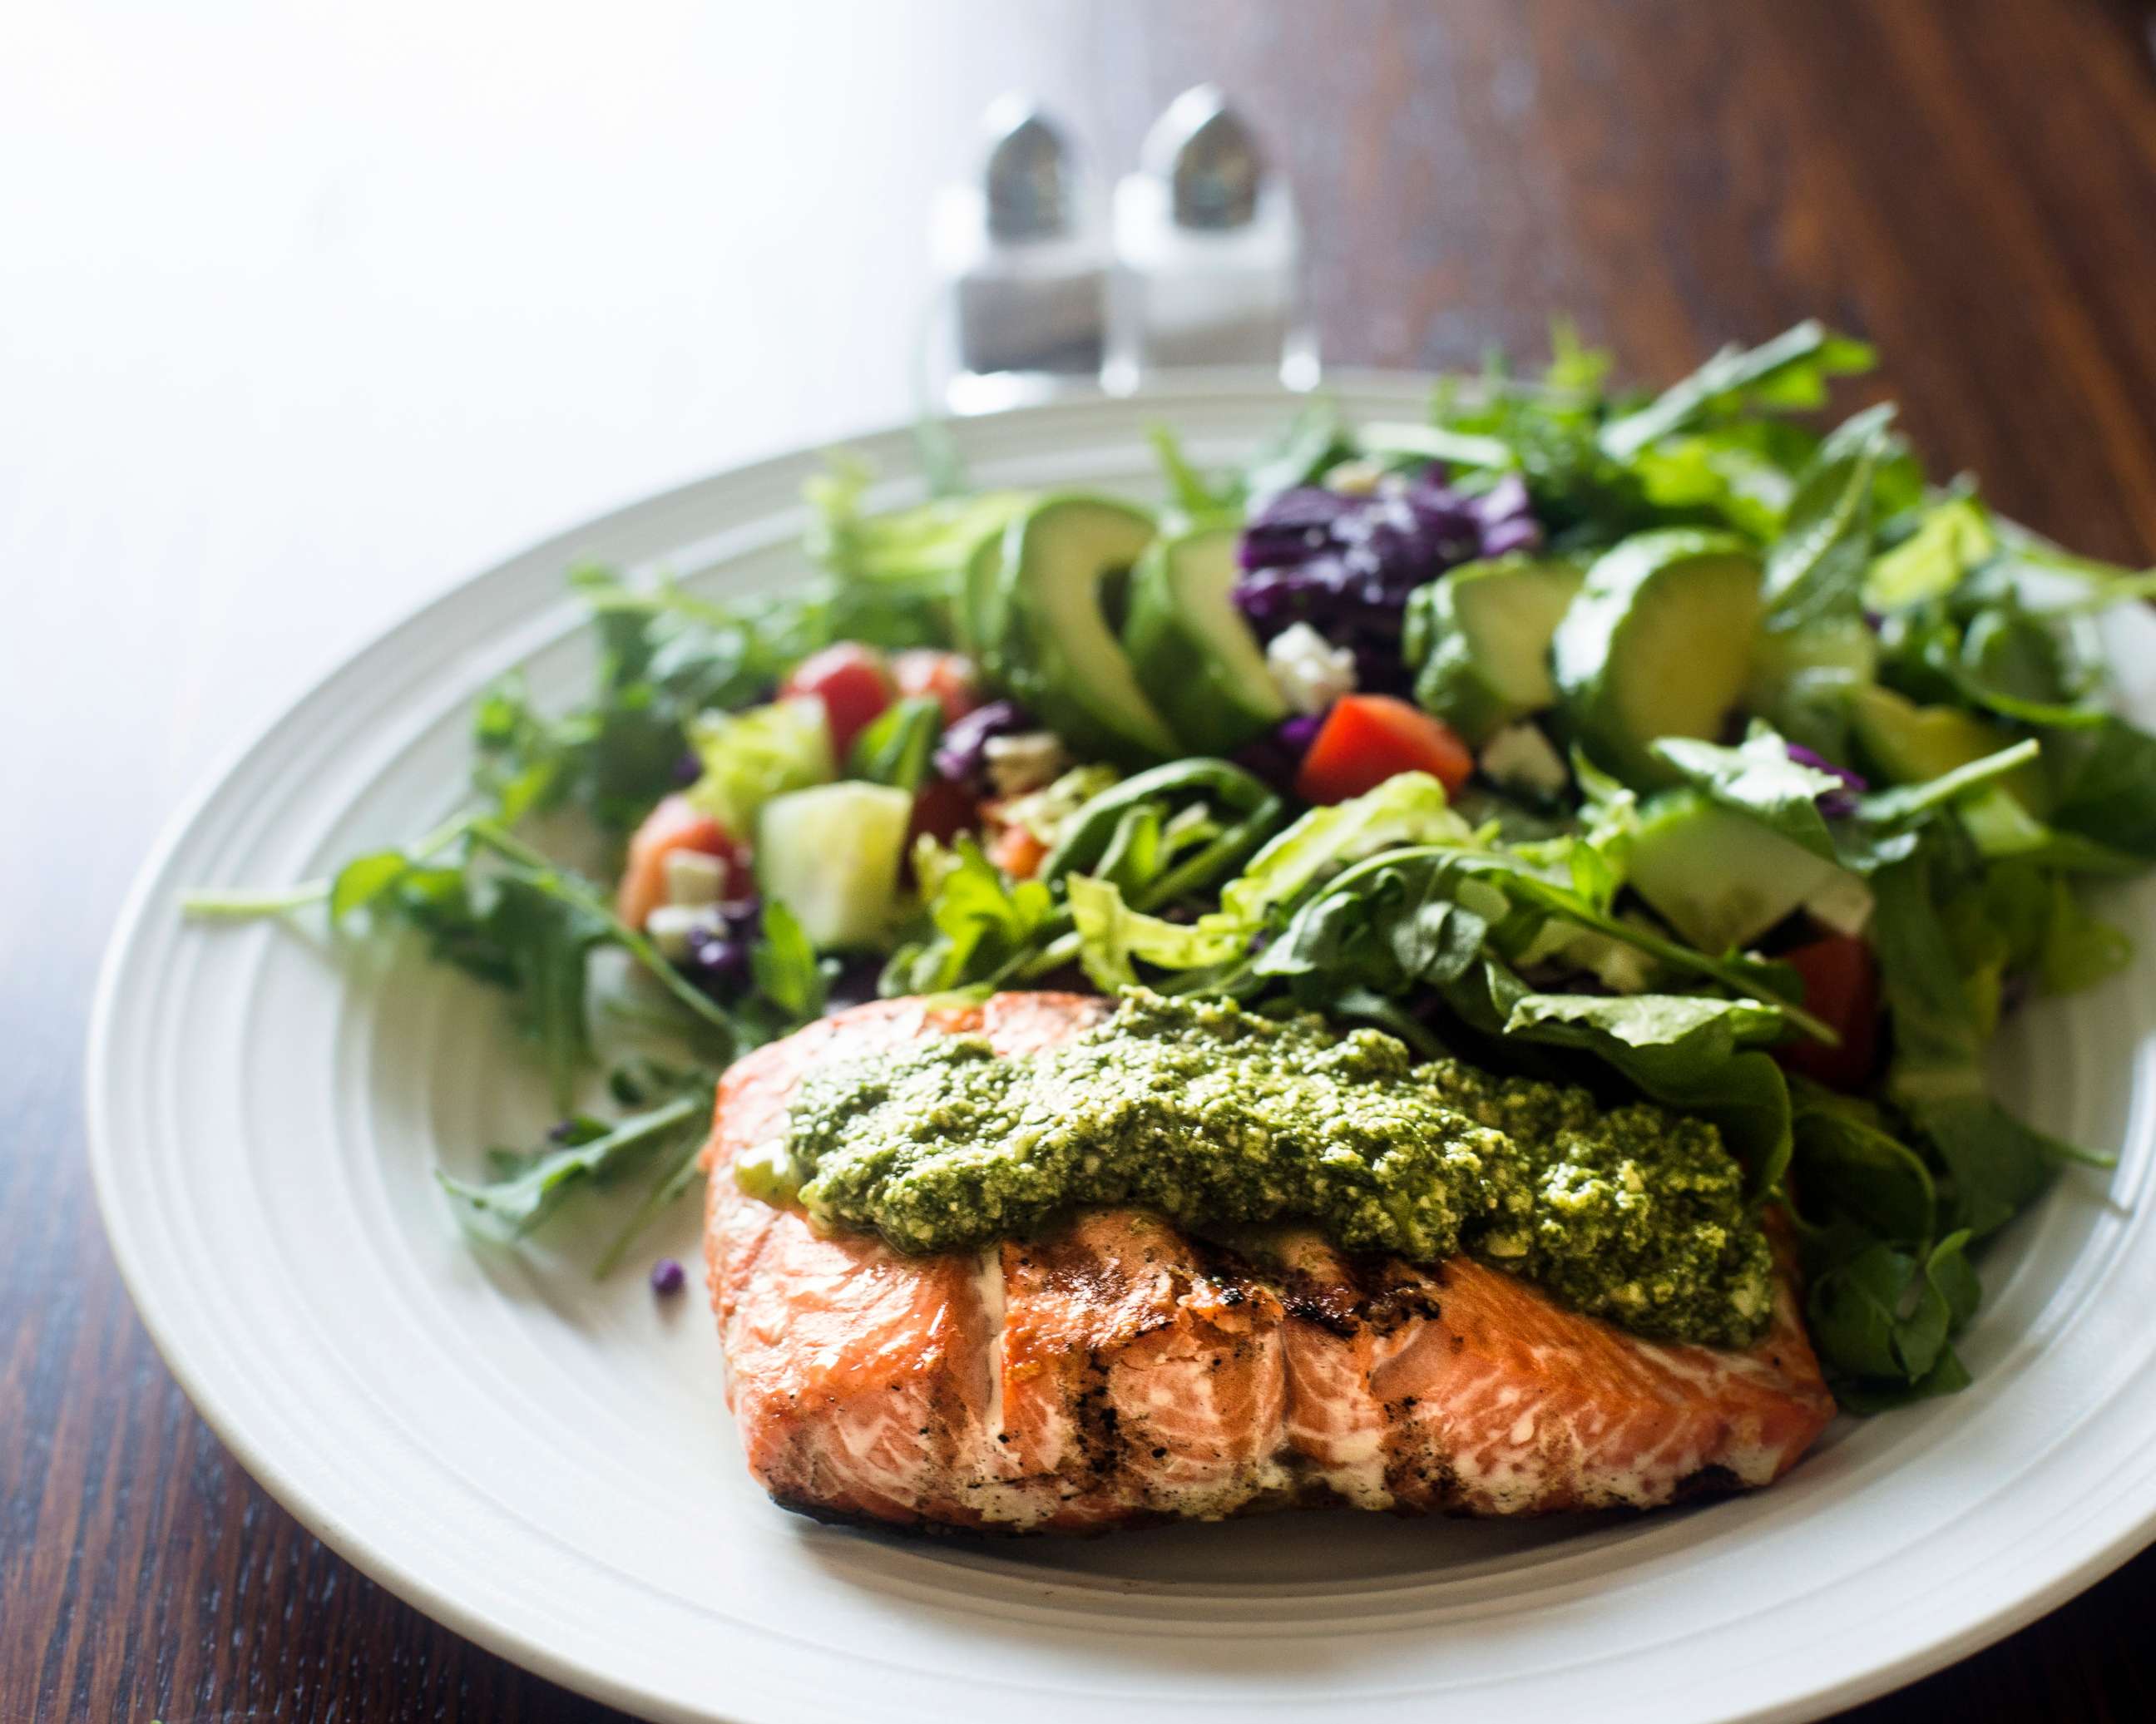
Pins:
<point x="1434" y="442"/>
<point x="985" y="925"/>
<point x="1235" y="812"/>
<point x="785" y="965"/>
<point x="1789" y="371"/>
<point x="1315" y="438"/>
<point x="1758" y="778"/>
<point x="532" y="1188"/>
<point x="1189" y="490"/>
<point x="1815" y="568"/>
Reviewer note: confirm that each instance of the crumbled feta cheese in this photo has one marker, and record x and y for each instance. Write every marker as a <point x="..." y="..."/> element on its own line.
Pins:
<point x="671" y="924"/>
<point x="1843" y="904"/>
<point x="1520" y="757"/>
<point x="1354" y="479"/>
<point x="693" y="877"/>
<point x="1311" y="672"/>
<point x="1024" y="762"/>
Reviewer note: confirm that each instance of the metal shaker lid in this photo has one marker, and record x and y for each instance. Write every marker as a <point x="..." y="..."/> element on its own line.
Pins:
<point x="1026" y="173"/>
<point x="1210" y="161"/>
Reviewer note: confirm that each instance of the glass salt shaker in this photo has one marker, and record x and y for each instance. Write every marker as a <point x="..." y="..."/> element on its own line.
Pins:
<point x="1208" y="252"/>
<point x="1024" y="259"/>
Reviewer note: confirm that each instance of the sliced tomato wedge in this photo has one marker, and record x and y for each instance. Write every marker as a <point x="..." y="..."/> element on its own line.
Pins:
<point x="853" y="682"/>
<point x="949" y="677"/>
<point x="1367" y="739"/>
<point x="1841" y="988"/>
<point x="675" y="824"/>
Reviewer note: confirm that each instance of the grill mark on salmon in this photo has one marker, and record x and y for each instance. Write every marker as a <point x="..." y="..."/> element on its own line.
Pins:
<point x="1118" y="1372"/>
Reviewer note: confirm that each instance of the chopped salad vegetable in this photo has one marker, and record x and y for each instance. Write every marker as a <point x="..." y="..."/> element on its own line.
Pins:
<point x="1673" y="745"/>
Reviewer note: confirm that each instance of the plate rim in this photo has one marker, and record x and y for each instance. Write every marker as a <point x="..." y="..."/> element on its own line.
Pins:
<point x="145" y="898"/>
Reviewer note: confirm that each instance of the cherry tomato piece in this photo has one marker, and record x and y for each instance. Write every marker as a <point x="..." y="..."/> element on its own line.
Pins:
<point x="1017" y="852"/>
<point x="942" y="810"/>
<point x="948" y="677"/>
<point x="1841" y="988"/>
<point x="853" y="682"/>
<point x="1367" y="739"/>
<point x="675" y="824"/>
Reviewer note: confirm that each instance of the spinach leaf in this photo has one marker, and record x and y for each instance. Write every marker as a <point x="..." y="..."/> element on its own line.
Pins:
<point x="1760" y="778"/>
<point x="1886" y="1314"/>
<point x="1846" y="1166"/>
<point x="1816" y="566"/>
<point x="2106" y="778"/>
<point x="1687" y="1052"/>
<point x="896" y="746"/>
<point x="1997" y="1165"/>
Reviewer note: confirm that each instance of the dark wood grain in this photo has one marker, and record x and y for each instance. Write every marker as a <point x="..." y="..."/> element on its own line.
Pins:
<point x="1972" y="183"/>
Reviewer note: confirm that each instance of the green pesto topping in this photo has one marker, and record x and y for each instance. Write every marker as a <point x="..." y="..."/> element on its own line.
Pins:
<point x="1215" y="1116"/>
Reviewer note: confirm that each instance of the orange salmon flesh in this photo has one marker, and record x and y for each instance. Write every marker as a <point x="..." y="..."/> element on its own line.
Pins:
<point x="1116" y="1371"/>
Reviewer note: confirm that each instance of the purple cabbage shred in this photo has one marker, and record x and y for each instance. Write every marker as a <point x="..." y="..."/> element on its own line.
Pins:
<point x="718" y="960"/>
<point x="962" y="753"/>
<point x="1834" y="804"/>
<point x="1276" y="756"/>
<point x="1346" y="564"/>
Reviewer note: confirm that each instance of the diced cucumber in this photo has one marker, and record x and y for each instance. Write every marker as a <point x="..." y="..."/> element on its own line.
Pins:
<point x="1721" y="878"/>
<point x="1904" y="743"/>
<point x="831" y="855"/>
<point x="1059" y="656"/>
<point x="1482" y="636"/>
<point x="1658" y="643"/>
<point x="1196" y="659"/>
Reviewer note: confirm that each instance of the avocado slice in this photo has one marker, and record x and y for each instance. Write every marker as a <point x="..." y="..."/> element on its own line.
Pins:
<point x="1908" y="744"/>
<point x="1721" y="878"/>
<point x="1839" y="648"/>
<point x="1658" y="643"/>
<point x="1057" y="651"/>
<point x="1481" y="637"/>
<point x="980" y="604"/>
<point x="1196" y="658"/>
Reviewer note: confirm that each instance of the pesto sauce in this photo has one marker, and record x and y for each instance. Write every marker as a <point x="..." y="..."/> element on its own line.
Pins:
<point x="1216" y="1117"/>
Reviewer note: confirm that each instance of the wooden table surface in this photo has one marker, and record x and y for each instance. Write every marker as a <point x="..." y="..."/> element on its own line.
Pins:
<point x="303" y="312"/>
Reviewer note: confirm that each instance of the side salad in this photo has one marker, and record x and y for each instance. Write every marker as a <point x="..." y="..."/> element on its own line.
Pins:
<point x="1673" y="745"/>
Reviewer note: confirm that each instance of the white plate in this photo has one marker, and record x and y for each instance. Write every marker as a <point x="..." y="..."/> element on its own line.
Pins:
<point x="546" y="1464"/>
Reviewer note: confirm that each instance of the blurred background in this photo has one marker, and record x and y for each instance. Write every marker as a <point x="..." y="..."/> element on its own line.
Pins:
<point x="306" y="310"/>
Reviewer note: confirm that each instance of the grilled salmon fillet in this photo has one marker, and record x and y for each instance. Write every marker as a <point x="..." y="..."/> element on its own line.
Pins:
<point x="1116" y="1371"/>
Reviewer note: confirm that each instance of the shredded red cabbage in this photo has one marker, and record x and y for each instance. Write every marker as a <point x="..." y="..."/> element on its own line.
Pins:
<point x="1835" y="804"/>
<point x="1346" y="564"/>
<point x="961" y="751"/>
